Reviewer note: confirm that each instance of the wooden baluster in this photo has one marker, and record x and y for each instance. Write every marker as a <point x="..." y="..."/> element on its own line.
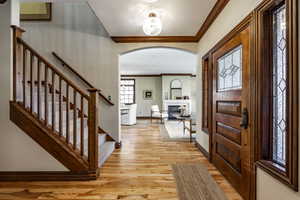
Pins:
<point x="93" y="129"/>
<point x="46" y="94"/>
<point x="39" y="88"/>
<point x="17" y="33"/>
<point x="74" y="120"/>
<point x="31" y="82"/>
<point x="81" y="126"/>
<point x="67" y="114"/>
<point x="15" y="52"/>
<point x="24" y="75"/>
<point x="53" y="100"/>
<point x="60" y="108"/>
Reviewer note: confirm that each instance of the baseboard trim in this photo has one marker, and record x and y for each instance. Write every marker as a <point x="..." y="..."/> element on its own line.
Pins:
<point x="49" y="176"/>
<point x="202" y="150"/>
<point x="143" y="118"/>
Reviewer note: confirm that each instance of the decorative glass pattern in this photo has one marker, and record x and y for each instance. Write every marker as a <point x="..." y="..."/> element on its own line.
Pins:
<point x="127" y="91"/>
<point x="230" y="70"/>
<point x="279" y="86"/>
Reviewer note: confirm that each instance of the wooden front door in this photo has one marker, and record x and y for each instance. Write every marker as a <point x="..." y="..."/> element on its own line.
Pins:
<point x="231" y="129"/>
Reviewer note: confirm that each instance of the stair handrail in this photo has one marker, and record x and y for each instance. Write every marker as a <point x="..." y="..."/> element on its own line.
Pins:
<point x="65" y="64"/>
<point x="21" y="41"/>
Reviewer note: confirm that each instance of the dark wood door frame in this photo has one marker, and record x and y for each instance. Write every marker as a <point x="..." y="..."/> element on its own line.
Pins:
<point x="248" y="21"/>
<point x="207" y="79"/>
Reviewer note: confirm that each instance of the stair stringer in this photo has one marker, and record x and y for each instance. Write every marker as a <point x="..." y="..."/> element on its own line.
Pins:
<point x="48" y="140"/>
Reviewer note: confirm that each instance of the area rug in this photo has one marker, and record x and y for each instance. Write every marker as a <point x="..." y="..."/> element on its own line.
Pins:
<point x="166" y="137"/>
<point x="175" y="130"/>
<point x="195" y="183"/>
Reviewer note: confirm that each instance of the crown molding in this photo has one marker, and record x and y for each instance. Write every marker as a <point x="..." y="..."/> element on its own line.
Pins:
<point x="158" y="75"/>
<point x="212" y="16"/>
<point x="214" y="13"/>
<point x="165" y="39"/>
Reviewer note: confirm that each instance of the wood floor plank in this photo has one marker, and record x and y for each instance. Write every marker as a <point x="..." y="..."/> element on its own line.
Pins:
<point x="141" y="169"/>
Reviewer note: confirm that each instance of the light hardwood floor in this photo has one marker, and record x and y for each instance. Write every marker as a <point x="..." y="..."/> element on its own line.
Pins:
<point x="141" y="169"/>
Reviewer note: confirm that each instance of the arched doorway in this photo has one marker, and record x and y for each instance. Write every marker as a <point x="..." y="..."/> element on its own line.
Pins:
<point x="146" y="75"/>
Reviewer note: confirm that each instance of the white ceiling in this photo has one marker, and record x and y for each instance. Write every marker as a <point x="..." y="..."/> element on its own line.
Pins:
<point x="126" y="17"/>
<point x="158" y="61"/>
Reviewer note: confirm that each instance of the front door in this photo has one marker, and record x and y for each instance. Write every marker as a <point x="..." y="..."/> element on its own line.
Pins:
<point x="230" y="138"/>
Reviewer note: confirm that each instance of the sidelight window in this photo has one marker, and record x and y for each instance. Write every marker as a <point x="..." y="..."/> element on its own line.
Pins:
<point x="279" y="86"/>
<point x="278" y="91"/>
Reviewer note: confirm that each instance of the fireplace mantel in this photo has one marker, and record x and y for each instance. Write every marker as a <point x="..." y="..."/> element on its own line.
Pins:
<point x="187" y="103"/>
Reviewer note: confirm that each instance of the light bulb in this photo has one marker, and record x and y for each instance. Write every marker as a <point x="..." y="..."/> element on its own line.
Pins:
<point x="151" y="1"/>
<point x="152" y="25"/>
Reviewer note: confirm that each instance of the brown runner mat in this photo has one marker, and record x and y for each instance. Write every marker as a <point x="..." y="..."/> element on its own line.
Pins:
<point x="195" y="183"/>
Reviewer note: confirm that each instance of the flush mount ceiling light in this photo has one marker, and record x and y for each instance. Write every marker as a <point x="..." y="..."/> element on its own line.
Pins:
<point x="151" y="1"/>
<point x="152" y="25"/>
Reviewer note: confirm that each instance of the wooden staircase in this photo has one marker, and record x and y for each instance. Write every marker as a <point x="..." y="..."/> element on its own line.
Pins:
<point x="57" y="114"/>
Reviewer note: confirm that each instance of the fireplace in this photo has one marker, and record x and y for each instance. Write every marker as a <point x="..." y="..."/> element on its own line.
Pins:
<point x="173" y="110"/>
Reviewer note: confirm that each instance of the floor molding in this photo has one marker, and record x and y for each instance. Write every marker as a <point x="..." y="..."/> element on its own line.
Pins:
<point x="143" y="118"/>
<point x="202" y="150"/>
<point x="49" y="176"/>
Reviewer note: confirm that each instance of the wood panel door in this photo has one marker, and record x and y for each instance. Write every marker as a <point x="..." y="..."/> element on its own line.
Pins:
<point x="231" y="129"/>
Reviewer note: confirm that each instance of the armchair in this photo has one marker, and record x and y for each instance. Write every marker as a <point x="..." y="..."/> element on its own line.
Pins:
<point x="156" y="113"/>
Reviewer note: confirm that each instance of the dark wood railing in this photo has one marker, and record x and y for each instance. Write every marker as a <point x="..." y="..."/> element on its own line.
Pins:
<point x="88" y="84"/>
<point x="55" y="101"/>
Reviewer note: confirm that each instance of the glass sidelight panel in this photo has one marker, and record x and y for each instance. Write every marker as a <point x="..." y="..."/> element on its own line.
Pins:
<point x="230" y="70"/>
<point x="279" y="86"/>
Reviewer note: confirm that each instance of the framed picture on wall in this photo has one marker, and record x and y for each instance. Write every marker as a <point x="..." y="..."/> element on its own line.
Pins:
<point x="147" y="94"/>
<point x="37" y="11"/>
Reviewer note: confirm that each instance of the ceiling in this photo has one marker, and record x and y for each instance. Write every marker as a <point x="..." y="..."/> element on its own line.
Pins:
<point x="158" y="61"/>
<point x="126" y="17"/>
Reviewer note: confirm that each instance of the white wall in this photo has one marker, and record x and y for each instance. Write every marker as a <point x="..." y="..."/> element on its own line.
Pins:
<point x="18" y="152"/>
<point x="235" y="12"/>
<point x="147" y="83"/>
<point x="79" y="37"/>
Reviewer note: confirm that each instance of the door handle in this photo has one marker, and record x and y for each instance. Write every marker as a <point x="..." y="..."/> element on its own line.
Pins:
<point x="245" y="119"/>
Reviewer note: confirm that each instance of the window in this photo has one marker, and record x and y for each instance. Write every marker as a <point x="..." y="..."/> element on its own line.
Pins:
<point x="278" y="90"/>
<point x="279" y="80"/>
<point x="127" y="91"/>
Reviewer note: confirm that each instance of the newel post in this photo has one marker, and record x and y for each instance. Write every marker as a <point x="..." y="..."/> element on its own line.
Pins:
<point x="17" y="33"/>
<point x="93" y="129"/>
